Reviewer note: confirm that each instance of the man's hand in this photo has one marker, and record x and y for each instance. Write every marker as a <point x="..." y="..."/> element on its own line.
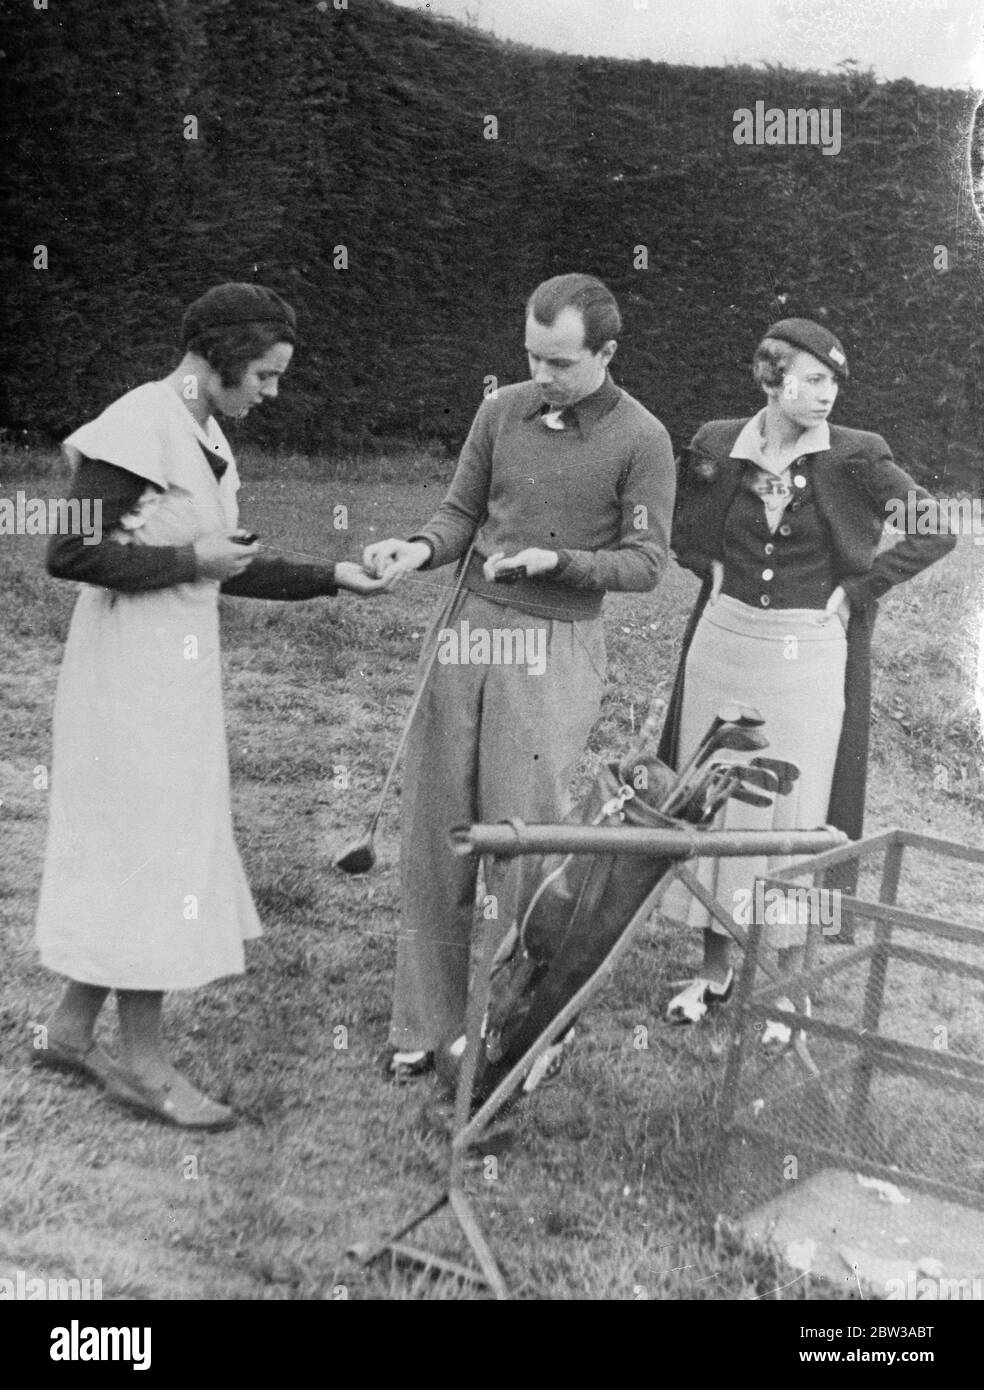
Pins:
<point x="217" y="556"/>
<point x="533" y="561"/>
<point x="390" y="560"/>
<point x="350" y="576"/>
<point x="840" y="604"/>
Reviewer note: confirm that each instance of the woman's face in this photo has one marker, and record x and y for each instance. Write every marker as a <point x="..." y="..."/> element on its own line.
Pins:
<point x="259" y="382"/>
<point x="807" y="394"/>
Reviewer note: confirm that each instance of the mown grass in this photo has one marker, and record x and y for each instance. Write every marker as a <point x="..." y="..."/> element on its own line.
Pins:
<point x="602" y="1185"/>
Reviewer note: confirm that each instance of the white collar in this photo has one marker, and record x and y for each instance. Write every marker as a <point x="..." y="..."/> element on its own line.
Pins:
<point x="210" y="434"/>
<point x="814" y="440"/>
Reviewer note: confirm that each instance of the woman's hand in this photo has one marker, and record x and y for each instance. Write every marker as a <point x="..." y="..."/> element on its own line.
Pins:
<point x="840" y="604"/>
<point x="350" y="576"/>
<point x="218" y="556"/>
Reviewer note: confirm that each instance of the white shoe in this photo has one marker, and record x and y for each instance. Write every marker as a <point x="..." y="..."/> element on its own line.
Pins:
<point x="779" y="1035"/>
<point x="693" y="1002"/>
<point x="548" y="1065"/>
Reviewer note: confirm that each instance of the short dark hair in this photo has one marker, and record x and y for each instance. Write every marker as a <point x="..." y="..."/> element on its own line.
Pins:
<point x="772" y="360"/>
<point x="229" y="348"/>
<point x="593" y="301"/>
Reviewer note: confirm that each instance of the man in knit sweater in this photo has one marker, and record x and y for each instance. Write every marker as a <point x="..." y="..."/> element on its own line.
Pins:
<point x="564" y="489"/>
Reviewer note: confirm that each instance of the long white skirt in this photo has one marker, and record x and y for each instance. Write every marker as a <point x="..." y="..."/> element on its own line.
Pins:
<point x="790" y="665"/>
<point x="143" y="888"/>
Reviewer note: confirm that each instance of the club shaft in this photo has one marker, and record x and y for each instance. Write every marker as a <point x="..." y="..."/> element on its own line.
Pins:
<point x="649" y="727"/>
<point x="418" y="696"/>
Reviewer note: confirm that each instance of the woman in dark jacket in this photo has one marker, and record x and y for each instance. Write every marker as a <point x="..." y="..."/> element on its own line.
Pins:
<point x="781" y="517"/>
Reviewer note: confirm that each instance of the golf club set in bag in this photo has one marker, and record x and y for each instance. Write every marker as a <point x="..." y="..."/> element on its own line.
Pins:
<point x="574" y="907"/>
<point x="580" y="904"/>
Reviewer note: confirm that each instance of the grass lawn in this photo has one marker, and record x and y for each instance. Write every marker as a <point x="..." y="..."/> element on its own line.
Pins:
<point x="598" y="1188"/>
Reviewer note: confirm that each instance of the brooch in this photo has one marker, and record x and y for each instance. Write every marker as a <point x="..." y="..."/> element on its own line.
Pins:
<point x="703" y="470"/>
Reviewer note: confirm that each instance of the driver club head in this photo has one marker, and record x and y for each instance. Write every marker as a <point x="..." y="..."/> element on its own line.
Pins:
<point x="731" y="715"/>
<point x="736" y="713"/>
<point x="356" y="858"/>
<point x="734" y="738"/>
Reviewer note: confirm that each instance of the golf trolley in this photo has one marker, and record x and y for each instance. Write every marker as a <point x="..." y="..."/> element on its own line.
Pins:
<point x="603" y="873"/>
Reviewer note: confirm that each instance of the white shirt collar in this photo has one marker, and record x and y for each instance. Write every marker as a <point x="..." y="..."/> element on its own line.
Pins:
<point x="748" y="445"/>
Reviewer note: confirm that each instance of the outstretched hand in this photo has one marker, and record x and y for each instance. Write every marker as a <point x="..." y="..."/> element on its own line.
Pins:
<point x="350" y="576"/>
<point x="390" y="560"/>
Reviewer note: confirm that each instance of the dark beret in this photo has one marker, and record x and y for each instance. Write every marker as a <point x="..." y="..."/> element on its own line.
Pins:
<point x="812" y="337"/>
<point x="233" y="303"/>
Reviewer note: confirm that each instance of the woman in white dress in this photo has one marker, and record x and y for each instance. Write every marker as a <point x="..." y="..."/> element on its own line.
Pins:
<point x="143" y="889"/>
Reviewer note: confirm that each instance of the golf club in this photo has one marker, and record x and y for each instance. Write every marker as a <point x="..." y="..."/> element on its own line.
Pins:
<point x="747" y="716"/>
<point x="726" y="781"/>
<point x="715" y="786"/>
<point x="762" y="777"/>
<point x="733" y="738"/>
<point x="648" y="730"/>
<point x="755" y="786"/>
<point x="624" y="770"/>
<point x="359" y="855"/>
<point x="787" y="773"/>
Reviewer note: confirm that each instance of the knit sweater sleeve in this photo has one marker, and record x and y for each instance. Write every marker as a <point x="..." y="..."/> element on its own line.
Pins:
<point x="270" y="577"/>
<point x="107" y="494"/>
<point x="452" y="527"/>
<point x="893" y="494"/>
<point x="99" y="559"/>
<point x="638" y="559"/>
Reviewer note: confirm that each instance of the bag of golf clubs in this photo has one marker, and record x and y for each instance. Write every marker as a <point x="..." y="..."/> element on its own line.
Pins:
<point x="579" y="905"/>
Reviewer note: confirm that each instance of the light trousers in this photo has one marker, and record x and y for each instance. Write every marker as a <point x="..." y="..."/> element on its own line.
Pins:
<point x="493" y="738"/>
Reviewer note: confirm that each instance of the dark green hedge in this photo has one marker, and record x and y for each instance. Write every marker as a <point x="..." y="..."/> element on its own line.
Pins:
<point x="364" y="127"/>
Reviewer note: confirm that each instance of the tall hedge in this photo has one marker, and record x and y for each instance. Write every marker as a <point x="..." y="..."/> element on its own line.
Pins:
<point x="366" y="127"/>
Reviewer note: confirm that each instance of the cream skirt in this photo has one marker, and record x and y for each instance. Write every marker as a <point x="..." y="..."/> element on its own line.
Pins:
<point x="790" y="665"/>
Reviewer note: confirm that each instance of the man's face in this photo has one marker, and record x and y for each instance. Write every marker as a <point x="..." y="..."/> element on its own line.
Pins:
<point x="560" y="364"/>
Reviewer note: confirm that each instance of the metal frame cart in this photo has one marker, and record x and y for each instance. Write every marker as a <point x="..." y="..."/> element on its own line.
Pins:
<point x="872" y="1050"/>
<point x="511" y="839"/>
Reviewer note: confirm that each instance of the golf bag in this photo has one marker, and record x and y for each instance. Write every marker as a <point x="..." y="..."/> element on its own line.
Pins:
<point x="576" y="910"/>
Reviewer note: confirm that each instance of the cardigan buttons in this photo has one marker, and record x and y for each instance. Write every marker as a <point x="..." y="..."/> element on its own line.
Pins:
<point x="764" y="600"/>
<point x="785" y="529"/>
<point x="767" y="574"/>
<point x="769" y="548"/>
